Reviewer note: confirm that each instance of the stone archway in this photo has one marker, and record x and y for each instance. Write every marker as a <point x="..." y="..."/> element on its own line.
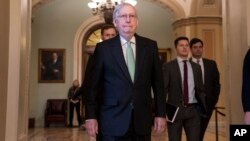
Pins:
<point x="82" y="31"/>
<point x="80" y="35"/>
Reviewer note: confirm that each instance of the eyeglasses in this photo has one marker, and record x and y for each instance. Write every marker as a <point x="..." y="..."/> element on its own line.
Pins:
<point x="125" y="16"/>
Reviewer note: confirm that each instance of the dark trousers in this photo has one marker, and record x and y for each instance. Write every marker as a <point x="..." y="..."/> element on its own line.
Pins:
<point x="71" y="113"/>
<point x="204" y="124"/>
<point x="129" y="136"/>
<point x="189" y="119"/>
<point x="125" y="138"/>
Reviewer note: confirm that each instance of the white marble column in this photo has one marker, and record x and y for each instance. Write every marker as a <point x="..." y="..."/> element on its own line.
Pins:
<point x="15" y="44"/>
<point x="235" y="45"/>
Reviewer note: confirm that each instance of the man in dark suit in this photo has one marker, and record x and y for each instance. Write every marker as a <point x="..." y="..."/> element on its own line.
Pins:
<point x="53" y="69"/>
<point x="107" y="31"/>
<point x="74" y="103"/>
<point x="125" y="69"/>
<point x="211" y="80"/>
<point x="183" y="87"/>
<point x="246" y="87"/>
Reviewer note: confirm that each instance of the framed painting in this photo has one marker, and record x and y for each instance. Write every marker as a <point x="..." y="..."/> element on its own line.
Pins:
<point x="165" y="54"/>
<point x="51" y="66"/>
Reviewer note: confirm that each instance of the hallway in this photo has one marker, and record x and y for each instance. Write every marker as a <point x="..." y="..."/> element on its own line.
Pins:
<point x="76" y="134"/>
<point x="28" y="26"/>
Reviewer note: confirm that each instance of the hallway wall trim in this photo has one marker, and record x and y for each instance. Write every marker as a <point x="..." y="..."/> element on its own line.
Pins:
<point x="197" y="20"/>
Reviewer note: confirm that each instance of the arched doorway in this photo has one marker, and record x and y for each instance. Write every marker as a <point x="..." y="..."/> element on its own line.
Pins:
<point x="81" y="48"/>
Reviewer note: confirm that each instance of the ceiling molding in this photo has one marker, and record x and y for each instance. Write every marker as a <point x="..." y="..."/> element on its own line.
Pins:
<point x="172" y="5"/>
<point x="38" y="3"/>
<point x="198" y="20"/>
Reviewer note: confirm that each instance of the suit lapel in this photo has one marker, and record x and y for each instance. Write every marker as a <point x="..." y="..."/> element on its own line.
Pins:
<point x="206" y="67"/>
<point x="178" y="72"/>
<point x="140" y="54"/>
<point x="118" y="54"/>
<point x="195" y="73"/>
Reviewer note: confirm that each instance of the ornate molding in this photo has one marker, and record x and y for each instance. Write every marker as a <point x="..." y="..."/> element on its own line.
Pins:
<point x="197" y="20"/>
<point x="38" y="3"/>
<point x="209" y="2"/>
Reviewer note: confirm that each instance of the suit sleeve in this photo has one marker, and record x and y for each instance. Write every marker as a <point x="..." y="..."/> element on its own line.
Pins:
<point x="216" y="82"/>
<point x="166" y="79"/>
<point x="83" y="90"/>
<point x="157" y="85"/>
<point x="91" y="103"/>
<point x="200" y="91"/>
<point x="246" y="83"/>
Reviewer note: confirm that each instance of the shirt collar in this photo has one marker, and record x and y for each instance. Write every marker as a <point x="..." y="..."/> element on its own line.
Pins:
<point x="195" y="59"/>
<point x="179" y="59"/>
<point x="123" y="41"/>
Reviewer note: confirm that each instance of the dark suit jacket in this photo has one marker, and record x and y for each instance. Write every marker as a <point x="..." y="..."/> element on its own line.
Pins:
<point x="87" y="79"/>
<point x="173" y="84"/>
<point x="119" y="95"/>
<point x="49" y="70"/>
<point x="72" y="93"/>
<point x="211" y="83"/>
<point x="246" y="83"/>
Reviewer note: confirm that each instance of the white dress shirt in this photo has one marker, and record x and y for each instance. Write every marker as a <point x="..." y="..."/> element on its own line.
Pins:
<point x="191" y="86"/>
<point x="124" y="47"/>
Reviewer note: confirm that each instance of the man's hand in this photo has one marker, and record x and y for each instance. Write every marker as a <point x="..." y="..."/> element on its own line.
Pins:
<point x="159" y="124"/>
<point x="91" y="127"/>
<point x="74" y="101"/>
<point x="247" y="118"/>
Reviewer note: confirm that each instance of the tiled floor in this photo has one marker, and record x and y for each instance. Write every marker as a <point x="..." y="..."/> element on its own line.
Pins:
<point x="76" y="134"/>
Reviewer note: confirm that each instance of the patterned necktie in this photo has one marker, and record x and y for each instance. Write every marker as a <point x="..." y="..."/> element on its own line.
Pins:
<point x="185" y="83"/>
<point x="130" y="61"/>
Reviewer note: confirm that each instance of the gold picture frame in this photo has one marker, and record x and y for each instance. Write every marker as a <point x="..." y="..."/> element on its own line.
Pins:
<point x="164" y="54"/>
<point x="51" y="66"/>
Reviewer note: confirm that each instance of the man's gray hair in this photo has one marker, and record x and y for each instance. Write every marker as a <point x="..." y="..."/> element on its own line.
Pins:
<point x="119" y="7"/>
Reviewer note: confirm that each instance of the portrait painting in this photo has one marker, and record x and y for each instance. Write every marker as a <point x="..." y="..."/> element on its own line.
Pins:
<point x="165" y="54"/>
<point x="51" y="66"/>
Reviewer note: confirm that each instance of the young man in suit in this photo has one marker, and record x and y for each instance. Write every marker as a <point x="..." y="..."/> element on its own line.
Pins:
<point x="107" y="31"/>
<point x="118" y="105"/>
<point x="246" y="88"/>
<point x="183" y="87"/>
<point x="211" y="80"/>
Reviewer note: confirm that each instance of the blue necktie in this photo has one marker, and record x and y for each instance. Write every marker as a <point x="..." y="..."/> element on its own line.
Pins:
<point x="130" y="61"/>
